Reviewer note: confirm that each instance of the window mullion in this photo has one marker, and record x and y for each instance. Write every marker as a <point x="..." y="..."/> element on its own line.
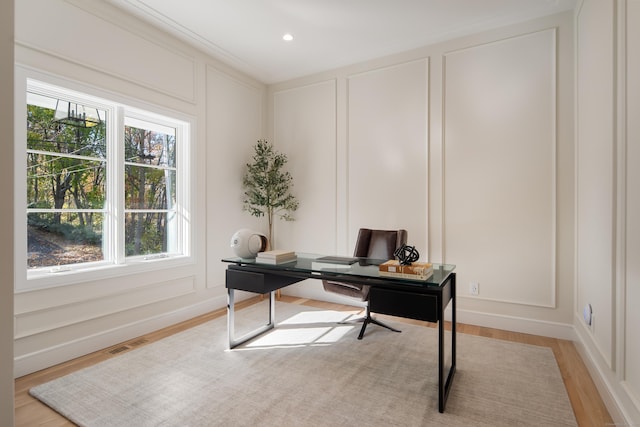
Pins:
<point x="183" y="159"/>
<point x="117" y="187"/>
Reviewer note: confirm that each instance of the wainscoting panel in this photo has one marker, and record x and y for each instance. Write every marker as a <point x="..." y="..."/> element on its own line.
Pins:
<point x="595" y="170"/>
<point x="304" y="128"/>
<point x="388" y="122"/>
<point x="234" y="122"/>
<point x="72" y="26"/>
<point x="500" y="168"/>
<point x="30" y="323"/>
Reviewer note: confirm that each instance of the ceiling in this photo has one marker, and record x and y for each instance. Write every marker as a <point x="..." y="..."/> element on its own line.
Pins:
<point x="247" y="34"/>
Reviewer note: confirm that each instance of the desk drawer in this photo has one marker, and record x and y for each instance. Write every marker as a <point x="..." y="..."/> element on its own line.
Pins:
<point x="259" y="283"/>
<point x="404" y="304"/>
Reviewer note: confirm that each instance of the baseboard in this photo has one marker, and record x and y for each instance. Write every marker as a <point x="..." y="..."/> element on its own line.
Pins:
<point x="564" y="331"/>
<point x="63" y="352"/>
<point x="509" y="323"/>
<point x="622" y="409"/>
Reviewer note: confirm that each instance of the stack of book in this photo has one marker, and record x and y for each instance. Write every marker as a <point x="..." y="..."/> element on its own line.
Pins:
<point x="415" y="270"/>
<point x="276" y="256"/>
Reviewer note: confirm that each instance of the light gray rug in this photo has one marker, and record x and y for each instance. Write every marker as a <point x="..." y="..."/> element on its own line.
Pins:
<point x="311" y="371"/>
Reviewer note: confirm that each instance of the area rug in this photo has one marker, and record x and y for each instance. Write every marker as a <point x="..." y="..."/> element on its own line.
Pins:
<point x="312" y="371"/>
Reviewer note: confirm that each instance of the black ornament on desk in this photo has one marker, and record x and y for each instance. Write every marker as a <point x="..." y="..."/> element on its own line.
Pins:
<point x="407" y="254"/>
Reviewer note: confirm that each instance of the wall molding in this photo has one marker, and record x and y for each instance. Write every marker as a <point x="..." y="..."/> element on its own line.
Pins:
<point x="550" y="299"/>
<point x="277" y="92"/>
<point x="387" y="67"/>
<point x="584" y="218"/>
<point x="563" y="331"/>
<point x="238" y="78"/>
<point x="63" y="352"/>
<point x="100" y="307"/>
<point x="154" y="39"/>
<point x="558" y="330"/>
<point x="622" y="195"/>
<point x="611" y="390"/>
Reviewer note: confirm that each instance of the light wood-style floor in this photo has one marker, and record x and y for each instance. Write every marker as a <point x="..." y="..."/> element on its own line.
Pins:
<point x="587" y="404"/>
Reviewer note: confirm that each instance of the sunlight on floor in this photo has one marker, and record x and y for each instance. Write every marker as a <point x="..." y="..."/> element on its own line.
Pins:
<point x="309" y="328"/>
<point x="322" y="316"/>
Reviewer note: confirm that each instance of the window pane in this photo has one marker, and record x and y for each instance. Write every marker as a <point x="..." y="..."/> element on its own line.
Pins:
<point x="55" y="182"/>
<point x="149" y="146"/>
<point x="63" y="238"/>
<point x="149" y="188"/>
<point x="150" y="233"/>
<point x="46" y="133"/>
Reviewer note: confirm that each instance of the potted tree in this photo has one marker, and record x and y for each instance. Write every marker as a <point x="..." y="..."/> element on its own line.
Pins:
<point x="267" y="187"/>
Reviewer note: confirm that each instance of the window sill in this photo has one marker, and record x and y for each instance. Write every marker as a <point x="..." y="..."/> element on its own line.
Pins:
<point x="64" y="276"/>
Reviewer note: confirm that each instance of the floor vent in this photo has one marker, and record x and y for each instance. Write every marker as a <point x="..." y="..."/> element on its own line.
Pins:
<point x="118" y="349"/>
<point x="127" y="346"/>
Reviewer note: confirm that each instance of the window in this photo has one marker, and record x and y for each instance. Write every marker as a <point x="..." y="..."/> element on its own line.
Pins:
<point x="150" y="193"/>
<point x="106" y="183"/>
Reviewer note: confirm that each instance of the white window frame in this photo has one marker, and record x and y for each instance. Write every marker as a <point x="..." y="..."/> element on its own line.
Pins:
<point x="115" y="262"/>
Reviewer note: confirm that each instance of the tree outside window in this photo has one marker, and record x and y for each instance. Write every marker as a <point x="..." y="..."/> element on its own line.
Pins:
<point x="66" y="187"/>
<point x="150" y="192"/>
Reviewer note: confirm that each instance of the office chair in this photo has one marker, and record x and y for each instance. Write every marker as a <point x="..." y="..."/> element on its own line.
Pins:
<point x="375" y="244"/>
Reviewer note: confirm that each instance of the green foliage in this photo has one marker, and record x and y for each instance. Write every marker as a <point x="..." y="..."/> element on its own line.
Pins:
<point x="267" y="186"/>
<point x="56" y="178"/>
<point x="67" y="171"/>
<point x="148" y="232"/>
<point x="68" y="231"/>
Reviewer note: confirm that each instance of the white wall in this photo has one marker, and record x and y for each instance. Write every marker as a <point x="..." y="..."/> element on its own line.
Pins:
<point x="499" y="167"/>
<point x="337" y="175"/>
<point x="337" y="133"/>
<point x="461" y="143"/>
<point x="6" y="215"/>
<point x="306" y="132"/>
<point x="387" y="121"/>
<point x="608" y="206"/>
<point x="135" y="63"/>
<point x="234" y="120"/>
<point x="595" y="168"/>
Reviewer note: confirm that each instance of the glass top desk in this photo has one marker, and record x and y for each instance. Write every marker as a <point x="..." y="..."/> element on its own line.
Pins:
<point x="414" y="299"/>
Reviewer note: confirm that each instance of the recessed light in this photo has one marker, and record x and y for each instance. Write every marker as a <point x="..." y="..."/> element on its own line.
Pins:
<point x="287" y="37"/>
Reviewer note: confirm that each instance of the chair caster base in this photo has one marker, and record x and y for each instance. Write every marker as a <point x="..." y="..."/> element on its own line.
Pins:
<point x="370" y="319"/>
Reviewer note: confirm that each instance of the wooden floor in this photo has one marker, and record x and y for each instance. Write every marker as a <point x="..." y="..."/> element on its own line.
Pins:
<point x="587" y="404"/>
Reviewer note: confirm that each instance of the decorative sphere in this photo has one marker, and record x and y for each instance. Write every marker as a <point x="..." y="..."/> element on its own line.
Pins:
<point x="407" y="254"/>
<point x="247" y="243"/>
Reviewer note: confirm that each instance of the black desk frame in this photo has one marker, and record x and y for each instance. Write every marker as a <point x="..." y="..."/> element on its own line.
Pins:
<point x="388" y="296"/>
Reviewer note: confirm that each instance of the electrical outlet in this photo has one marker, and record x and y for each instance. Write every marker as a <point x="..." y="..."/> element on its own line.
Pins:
<point x="474" y="288"/>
